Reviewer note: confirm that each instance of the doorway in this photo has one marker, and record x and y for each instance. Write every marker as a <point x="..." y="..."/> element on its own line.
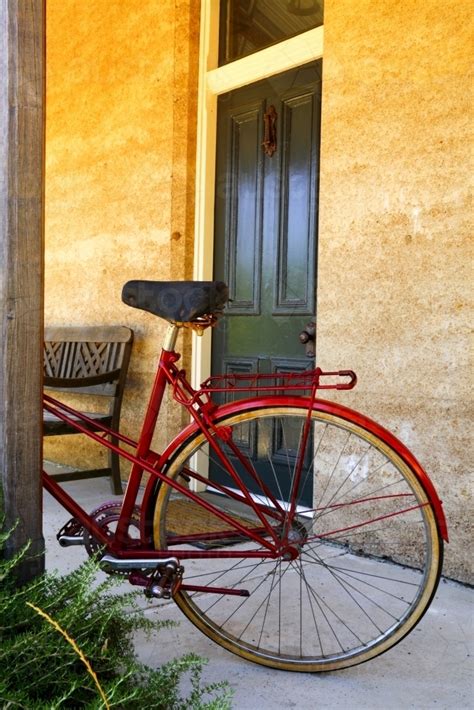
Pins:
<point x="266" y="217"/>
<point x="261" y="66"/>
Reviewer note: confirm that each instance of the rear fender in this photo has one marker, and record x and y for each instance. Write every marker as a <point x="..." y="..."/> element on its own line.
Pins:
<point x="321" y="405"/>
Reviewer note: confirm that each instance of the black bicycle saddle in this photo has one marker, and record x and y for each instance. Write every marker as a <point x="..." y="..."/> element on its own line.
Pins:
<point x="177" y="301"/>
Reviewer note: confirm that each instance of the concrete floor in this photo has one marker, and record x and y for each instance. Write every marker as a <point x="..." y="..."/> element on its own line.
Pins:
<point x="431" y="668"/>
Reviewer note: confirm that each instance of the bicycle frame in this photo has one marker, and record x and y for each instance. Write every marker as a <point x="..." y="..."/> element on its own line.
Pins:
<point x="205" y="414"/>
<point x="144" y="459"/>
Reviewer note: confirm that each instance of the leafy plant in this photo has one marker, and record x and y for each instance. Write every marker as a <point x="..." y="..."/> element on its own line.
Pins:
<point x="42" y="670"/>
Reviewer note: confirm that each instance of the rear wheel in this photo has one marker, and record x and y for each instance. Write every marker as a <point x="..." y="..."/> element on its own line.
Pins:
<point x="367" y="553"/>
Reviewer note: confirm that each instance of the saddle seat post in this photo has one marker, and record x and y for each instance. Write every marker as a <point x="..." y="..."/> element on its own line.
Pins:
<point x="169" y="342"/>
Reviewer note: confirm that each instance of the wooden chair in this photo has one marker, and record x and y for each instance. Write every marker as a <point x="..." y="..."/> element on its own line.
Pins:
<point x="88" y="361"/>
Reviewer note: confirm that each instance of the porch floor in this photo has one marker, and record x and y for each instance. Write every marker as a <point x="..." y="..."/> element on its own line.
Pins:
<point x="431" y="668"/>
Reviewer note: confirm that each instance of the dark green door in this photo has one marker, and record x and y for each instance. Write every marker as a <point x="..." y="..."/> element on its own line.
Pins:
<point x="266" y="221"/>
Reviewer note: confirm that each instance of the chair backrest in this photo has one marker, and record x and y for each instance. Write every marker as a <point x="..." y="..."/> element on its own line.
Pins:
<point x="91" y="359"/>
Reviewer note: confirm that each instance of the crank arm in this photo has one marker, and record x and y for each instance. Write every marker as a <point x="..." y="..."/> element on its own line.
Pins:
<point x="109" y="562"/>
<point x="68" y="540"/>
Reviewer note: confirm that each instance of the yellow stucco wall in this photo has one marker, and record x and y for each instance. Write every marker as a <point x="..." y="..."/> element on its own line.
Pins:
<point x="120" y="162"/>
<point x="395" y="260"/>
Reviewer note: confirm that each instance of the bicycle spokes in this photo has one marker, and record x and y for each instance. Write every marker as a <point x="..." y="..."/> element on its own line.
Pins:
<point x="357" y="559"/>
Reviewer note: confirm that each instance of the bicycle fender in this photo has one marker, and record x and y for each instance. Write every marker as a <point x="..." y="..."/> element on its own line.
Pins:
<point x="329" y="407"/>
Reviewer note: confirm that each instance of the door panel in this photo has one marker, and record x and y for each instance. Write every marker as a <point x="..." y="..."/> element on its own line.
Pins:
<point x="243" y="209"/>
<point x="294" y="280"/>
<point x="266" y="226"/>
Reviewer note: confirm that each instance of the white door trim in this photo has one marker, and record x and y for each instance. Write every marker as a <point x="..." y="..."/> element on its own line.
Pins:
<point x="283" y="56"/>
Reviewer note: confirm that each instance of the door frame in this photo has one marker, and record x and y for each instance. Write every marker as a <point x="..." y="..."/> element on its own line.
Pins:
<point x="213" y="81"/>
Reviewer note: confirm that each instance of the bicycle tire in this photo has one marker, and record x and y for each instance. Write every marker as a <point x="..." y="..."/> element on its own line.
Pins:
<point x="370" y="554"/>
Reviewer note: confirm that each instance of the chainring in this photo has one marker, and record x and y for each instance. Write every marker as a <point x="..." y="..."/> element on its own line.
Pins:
<point x="106" y="516"/>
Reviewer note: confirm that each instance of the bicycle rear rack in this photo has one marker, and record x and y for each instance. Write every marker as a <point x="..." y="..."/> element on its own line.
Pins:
<point x="308" y="381"/>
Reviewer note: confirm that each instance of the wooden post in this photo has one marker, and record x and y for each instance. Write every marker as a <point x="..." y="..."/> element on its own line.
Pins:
<point x="22" y="73"/>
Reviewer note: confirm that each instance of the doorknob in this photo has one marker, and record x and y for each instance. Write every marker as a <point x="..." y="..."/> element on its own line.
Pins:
<point x="307" y="338"/>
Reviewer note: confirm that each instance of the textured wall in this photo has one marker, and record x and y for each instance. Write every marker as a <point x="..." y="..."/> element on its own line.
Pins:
<point x="394" y="255"/>
<point x="121" y="125"/>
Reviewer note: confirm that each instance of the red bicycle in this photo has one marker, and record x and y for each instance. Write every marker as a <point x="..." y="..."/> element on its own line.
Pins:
<point x="332" y="569"/>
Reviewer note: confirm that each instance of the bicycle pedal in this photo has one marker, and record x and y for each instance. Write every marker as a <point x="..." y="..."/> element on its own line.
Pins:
<point x="72" y="533"/>
<point x="164" y="580"/>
